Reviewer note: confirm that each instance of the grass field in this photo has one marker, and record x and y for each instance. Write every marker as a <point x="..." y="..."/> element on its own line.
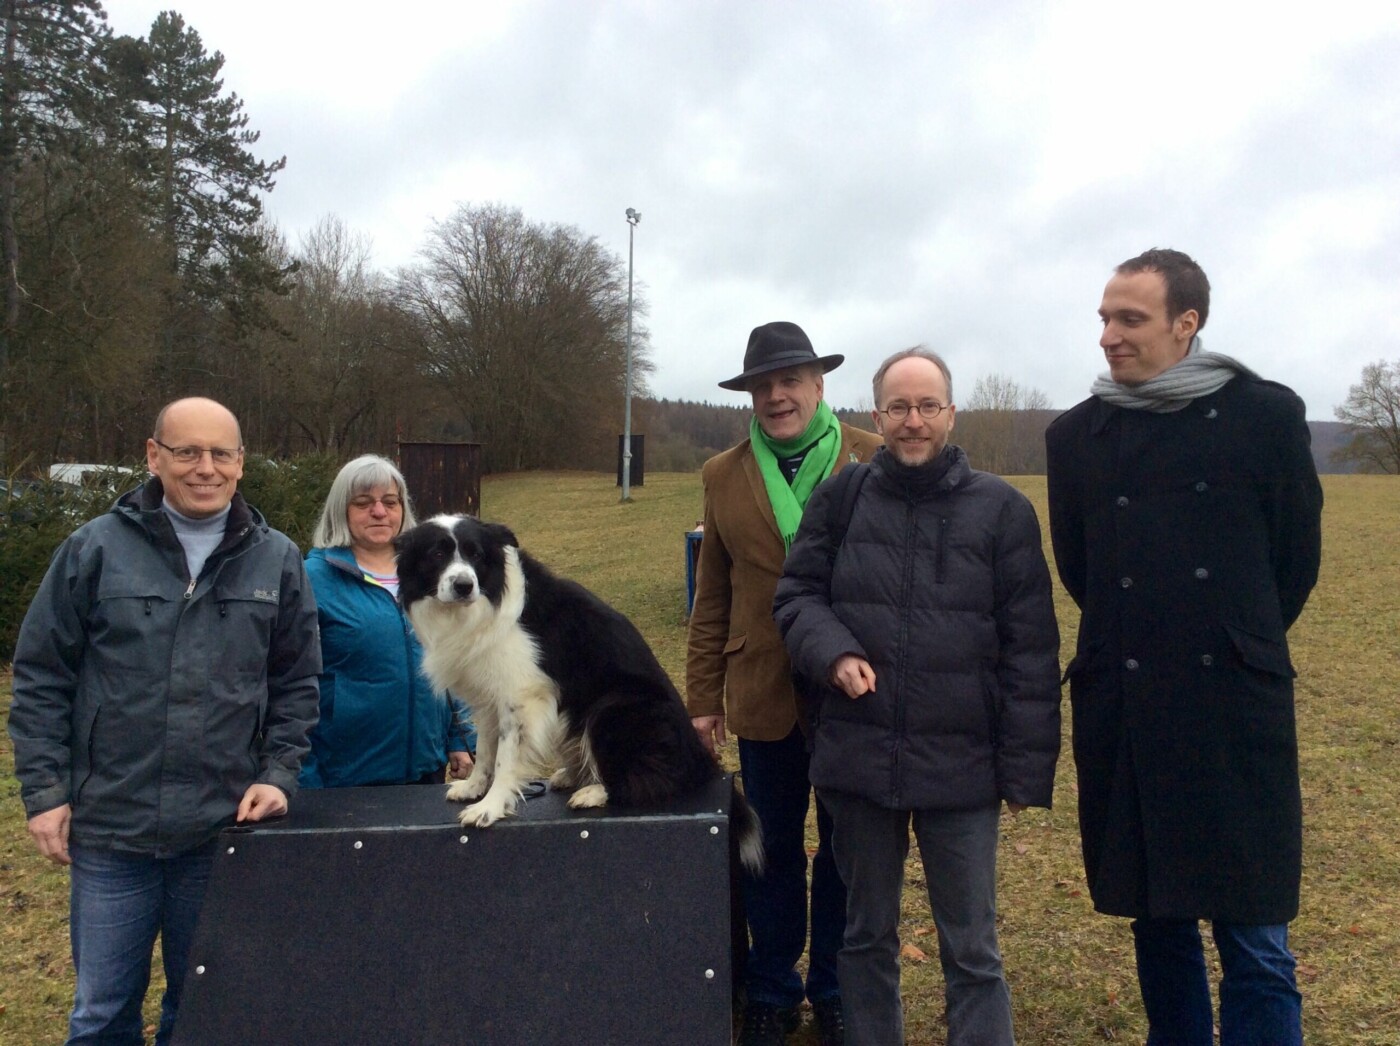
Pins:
<point x="1071" y="970"/>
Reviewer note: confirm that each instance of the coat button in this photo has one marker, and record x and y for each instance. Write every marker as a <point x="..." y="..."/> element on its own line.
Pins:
<point x="1202" y="573"/>
<point x="1131" y="664"/>
<point x="1202" y="487"/>
<point x="1122" y="502"/>
<point x="1127" y="582"/>
<point x="1207" y="660"/>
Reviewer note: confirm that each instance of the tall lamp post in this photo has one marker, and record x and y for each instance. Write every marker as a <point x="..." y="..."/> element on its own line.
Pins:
<point x="633" y="217"/>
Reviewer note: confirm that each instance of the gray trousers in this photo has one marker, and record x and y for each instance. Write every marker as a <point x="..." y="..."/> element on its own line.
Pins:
<point x="959" y="851"/>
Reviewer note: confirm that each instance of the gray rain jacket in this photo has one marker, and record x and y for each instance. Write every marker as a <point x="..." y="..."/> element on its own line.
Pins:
<point x="941" y="584"/>
<point x="151" y="702"/>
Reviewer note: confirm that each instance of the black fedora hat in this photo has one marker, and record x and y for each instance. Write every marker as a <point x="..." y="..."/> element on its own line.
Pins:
<point x="775" y="346"/>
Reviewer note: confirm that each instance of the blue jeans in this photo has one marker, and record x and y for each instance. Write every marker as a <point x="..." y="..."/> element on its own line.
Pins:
<point x="118" y="903"/>
<point x="1259" y="1000"/>
<point x="775" y="903"/>
<point x="959" y="853"/>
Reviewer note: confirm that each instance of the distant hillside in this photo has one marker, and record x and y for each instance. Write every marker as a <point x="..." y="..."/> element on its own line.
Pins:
<point x="1328" y="436"/>
<point x="680" y="435"/>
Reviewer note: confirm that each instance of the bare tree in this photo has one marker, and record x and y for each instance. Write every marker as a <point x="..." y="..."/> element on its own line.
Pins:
<point x="997" y="426"/>
<point x="335" y="338"/>
<point x="335" y="370"/>
<point x="1372" y="411"/>
<point x="998" y="392"/>
<point x="527" y="325"/>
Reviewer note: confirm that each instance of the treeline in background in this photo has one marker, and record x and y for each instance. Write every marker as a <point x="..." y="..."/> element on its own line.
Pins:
<point x="1002" y="428"/>
<point x="139" y="266"/>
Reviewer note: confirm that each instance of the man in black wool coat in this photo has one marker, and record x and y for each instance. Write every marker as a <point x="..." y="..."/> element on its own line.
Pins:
<point x="1185" y="514"/>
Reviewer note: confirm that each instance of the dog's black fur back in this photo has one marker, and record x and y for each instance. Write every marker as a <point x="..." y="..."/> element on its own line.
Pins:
<point x="612" y="686"/>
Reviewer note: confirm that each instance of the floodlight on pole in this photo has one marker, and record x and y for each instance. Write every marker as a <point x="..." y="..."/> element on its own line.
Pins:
<point x="633" y="217"/>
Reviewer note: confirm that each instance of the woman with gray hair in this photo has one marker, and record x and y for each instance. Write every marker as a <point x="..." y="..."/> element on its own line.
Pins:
<point x="381" y="722"/>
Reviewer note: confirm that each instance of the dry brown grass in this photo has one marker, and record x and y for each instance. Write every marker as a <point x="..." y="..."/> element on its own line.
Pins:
<point x="1071" y="970"/>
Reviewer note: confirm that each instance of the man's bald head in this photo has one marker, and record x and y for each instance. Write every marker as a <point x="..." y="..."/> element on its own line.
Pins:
<point x="196" y="404"/>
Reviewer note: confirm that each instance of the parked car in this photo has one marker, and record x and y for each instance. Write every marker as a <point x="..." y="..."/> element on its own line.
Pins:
<point x="16" y="498"/>
<point x="86" y="474"/>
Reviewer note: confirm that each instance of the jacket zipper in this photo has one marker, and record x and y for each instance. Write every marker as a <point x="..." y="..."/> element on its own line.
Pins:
<point x="942" y="547"/>
<point x="411" y="732"/>
<point x="905" y="596"/>
<point x="408" y="659"/>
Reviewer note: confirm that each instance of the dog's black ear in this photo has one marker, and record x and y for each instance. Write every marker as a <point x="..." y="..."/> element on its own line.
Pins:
<point x="402" y="540"/>
<point x="501" y="533"/>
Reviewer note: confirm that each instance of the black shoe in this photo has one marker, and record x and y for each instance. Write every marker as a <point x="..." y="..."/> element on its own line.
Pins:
<point x="831" y="1021"/>
<point x="766" y="1025"/>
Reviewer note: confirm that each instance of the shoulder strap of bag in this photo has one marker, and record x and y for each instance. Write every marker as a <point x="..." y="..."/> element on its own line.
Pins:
<point x="843" y="503"/>
<point x="846" y="486"/>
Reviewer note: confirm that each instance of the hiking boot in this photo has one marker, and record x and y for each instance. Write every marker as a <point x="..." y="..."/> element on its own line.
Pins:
<point x="831" y="1021"/>
<point x="766" y="1025"/>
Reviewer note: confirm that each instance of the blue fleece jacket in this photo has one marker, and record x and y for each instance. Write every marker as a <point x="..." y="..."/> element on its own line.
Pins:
<point x="381" y="722"/>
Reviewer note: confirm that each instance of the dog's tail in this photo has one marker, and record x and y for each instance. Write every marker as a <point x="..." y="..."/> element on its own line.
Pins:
<point x="746" y="831"/>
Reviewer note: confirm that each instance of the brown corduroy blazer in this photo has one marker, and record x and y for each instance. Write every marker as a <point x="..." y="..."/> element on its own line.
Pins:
<point x="736" y="664"/>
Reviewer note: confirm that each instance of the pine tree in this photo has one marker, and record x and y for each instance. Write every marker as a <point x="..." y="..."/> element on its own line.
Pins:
<point x="48" y="92"/>
<point x="193" y="142"/>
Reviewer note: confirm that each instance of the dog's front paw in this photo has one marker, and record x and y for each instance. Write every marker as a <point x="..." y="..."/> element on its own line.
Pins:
<point x="588" y="797"/>
<point x="465" y="791"/>
<point x="561" y="780"/>
<point x="485" y="813"/>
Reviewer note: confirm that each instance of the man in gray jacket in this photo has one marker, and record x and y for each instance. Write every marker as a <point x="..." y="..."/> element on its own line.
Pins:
<point x="165" y="678"/>
<point x="927" y="614"/>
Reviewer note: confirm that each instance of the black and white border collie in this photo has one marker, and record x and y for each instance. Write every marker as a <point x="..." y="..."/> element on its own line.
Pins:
<point x="557" y="680"/>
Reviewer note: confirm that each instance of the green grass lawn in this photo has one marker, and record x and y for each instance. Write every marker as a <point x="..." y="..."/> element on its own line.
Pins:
<point x="1071" y="970"/>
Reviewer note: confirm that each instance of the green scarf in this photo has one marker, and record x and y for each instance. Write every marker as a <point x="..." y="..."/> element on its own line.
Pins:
<point x="823" y="437"/>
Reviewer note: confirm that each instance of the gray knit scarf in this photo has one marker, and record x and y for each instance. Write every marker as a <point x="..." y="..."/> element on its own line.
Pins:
<point x="1198" y="374"/>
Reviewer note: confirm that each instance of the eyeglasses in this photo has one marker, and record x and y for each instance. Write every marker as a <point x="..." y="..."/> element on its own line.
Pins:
<point x="189" y="455"/>
<point x="365" y="502"/>
<point x="928" y="410"/>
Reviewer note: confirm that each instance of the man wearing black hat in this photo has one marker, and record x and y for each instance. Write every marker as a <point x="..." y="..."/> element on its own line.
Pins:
<point x="738" y="678"/>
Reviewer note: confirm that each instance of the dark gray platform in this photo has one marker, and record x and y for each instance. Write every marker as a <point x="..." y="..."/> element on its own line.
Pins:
<point x="368" y="915"/>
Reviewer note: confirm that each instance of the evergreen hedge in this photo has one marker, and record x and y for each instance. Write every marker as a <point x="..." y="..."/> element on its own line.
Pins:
<point x="35" y="517"/>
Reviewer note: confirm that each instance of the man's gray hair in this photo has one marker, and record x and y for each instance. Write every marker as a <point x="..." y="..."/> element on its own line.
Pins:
<point x="918" y="352"/>
<point x="364" y="473"/>
<point x="812" y="371"/>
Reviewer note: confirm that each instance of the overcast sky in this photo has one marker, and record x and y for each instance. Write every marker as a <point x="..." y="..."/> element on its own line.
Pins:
<point x="960" y="174"/>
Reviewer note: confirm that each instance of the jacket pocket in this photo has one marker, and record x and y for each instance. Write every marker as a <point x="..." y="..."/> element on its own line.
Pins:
<point x="86" y="752"/>
<point x="735" y="643"/>
<point x="130" y="611"/>
<point x="1261" y="653"/>
<point x="245" y="627"/>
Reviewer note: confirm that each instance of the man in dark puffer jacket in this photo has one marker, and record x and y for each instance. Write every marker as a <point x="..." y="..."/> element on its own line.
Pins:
<point x="932" y="622"/>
